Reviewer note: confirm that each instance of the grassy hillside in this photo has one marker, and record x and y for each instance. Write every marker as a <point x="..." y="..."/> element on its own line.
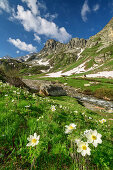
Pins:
<point x="61" y="60"/>
<point x="22" y="114"/>
<point x="96" y="55"/>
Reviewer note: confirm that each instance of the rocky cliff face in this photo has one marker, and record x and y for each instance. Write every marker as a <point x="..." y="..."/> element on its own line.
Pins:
<point x="56" y="52"/>
<point x="75" y="43"/>
<point x="52" y="46"/>
<point x="105" y="36"/>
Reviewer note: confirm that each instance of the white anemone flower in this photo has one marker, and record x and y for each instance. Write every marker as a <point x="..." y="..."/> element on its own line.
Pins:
<point x="60" y="106"/>
<point x="27" y="106"/>
<point x="33" y="140"/>
<point x="70" y="128"/>
<point x="53" y="108"/>
<point x="40" y="118"/>
<point x="76" y="111"/>
<point x="83" y="148"/>
<point x="94" y="137"/>
<point x="102" y="121"/>
<point x="33" y="95"/>
<point x="90" y="117"/>
<point x="86" y="131"/>
<point x="77" y="141"/>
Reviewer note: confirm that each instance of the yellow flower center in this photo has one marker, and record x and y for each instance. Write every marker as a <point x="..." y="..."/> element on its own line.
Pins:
<point x="71" y="127"/>
<point x="94" y="137"/>
<point x="84" y="147"/>
<point x="34" y="141"/>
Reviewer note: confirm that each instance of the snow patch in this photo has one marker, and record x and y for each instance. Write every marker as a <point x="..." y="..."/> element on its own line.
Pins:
<point x="41" y="62"/>
<point x="57" y="74"/>
<point x="106" y="74"/>
<point x="77" y="70"/>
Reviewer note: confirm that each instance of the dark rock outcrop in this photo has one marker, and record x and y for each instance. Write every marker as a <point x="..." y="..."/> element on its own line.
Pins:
<point x="52" y="46"/>
<point x="76" y="43"/>
<point x="45" y="88"/>
<point x="52" y="90"/>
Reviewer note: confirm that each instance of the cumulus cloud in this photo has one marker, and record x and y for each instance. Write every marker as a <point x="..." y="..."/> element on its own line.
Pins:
<point x="32" y="4"/>
<point x="40" y="25"/>
<point x="22" y="45"/>
<point x="37" y="38"/>
<point x="96" y="7"/>
<point x="32" y="20"/>
<point x="85" y="9"/>
<point x="4" y="6"/>
<point x="17" y="52"/>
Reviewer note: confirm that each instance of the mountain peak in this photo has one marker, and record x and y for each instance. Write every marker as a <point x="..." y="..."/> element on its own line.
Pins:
<point x="105" y="36"/>
<point x="52" y="45"/>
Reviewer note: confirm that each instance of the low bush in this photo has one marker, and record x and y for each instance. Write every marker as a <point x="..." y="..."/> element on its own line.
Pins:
<point x="104" y="93"/>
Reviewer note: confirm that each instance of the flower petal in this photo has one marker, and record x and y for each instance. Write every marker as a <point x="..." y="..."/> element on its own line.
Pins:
<point x="38" y="137"/>
<point x="99" y="135"/>
<point x="29" y="144"/>
<point x="35" y="135"/>
<point x="83" y="152"/>
<point x="79" y="149"/>
<point x="88" y="151"/>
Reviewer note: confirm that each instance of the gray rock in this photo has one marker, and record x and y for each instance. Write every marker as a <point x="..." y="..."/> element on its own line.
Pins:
<point x="76" y="43"/>
<point x="45" y="88"/>
<point x="52" y="90"/>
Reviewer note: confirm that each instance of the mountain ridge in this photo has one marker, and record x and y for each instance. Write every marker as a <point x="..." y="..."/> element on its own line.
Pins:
<point x="79" y="54"/>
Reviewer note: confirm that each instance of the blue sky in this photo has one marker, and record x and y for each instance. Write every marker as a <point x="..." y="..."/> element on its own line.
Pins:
<point x="25" y="25"/>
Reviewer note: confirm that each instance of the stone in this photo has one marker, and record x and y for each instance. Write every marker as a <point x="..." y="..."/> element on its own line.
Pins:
<point x="45" y="88"/>
<point x="87" y="85"/>
<point x="52" y="90"/>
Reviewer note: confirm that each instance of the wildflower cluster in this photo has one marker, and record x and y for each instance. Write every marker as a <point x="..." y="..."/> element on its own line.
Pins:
<point x="93" y="137"/>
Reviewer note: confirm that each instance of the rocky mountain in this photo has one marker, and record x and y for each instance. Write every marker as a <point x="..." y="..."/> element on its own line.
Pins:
<point x="25" y="58"/>
<point x="6" y="57"/>
<point x="78" y="55"/>
<point x="56" y="54"/>
<point x="105" y="36"/>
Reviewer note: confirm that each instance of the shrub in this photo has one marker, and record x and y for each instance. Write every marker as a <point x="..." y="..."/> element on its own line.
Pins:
<point x="88" y="92"/>
<point x="104" y="93"/>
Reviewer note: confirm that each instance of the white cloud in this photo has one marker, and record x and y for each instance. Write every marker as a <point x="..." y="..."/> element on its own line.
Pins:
<point x="85" y="10"/>
<point x="40" y="25"/>
<point x="22" y="45"/>
<point x="96" y="7"/>
<point x="51" y="17"/>
<point x="4" y="6"/>
<point x="37" y="38"/>
<point x="32" y="4"/>
<point x="42" y="6"/>
<point x="17" y="52"/>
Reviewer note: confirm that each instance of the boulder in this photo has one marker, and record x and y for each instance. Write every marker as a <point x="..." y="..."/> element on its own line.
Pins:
<point x="51" y="90"/>
<point x="45" y="88"/>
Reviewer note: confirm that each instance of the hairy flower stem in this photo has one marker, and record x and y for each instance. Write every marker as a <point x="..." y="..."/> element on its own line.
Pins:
<point x="33" y="164"/>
